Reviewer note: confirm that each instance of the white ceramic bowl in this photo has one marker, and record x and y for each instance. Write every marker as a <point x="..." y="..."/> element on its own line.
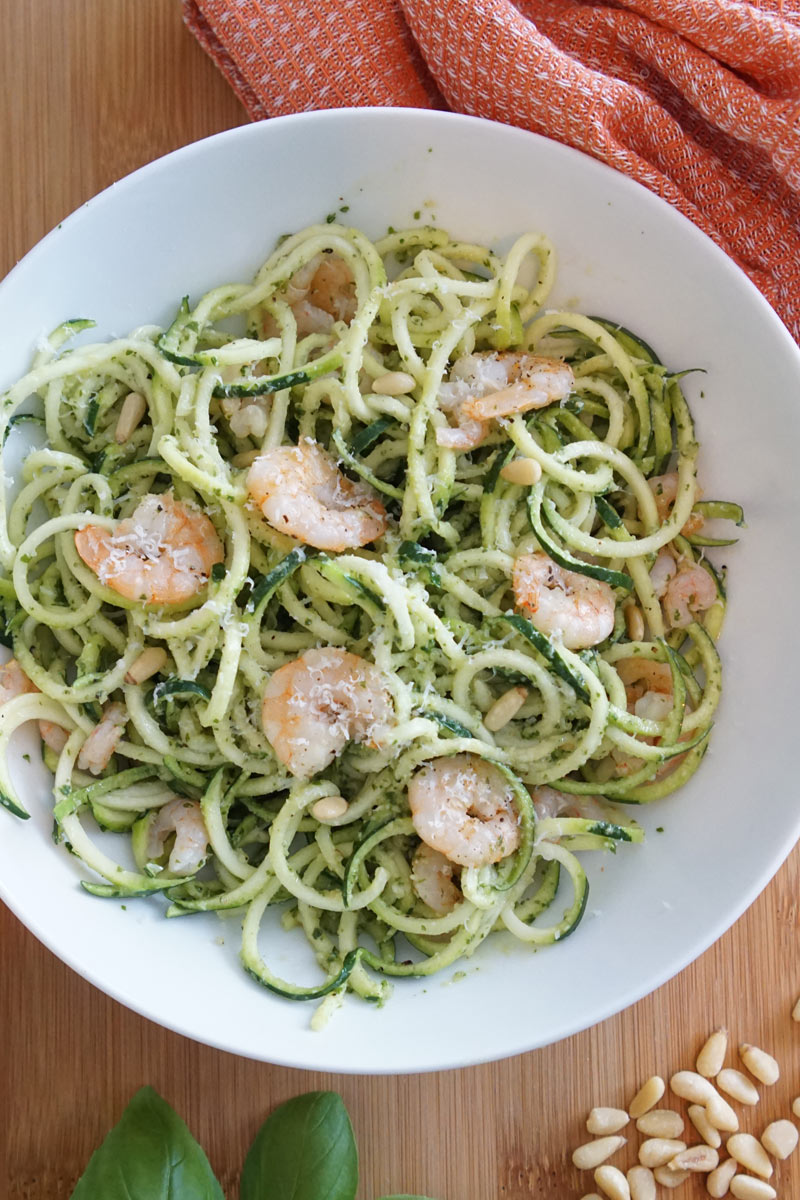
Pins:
<point x="209" y="214"/>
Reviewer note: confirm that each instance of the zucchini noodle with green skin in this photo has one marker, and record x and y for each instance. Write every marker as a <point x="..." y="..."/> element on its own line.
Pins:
<point x="370" y="590"/>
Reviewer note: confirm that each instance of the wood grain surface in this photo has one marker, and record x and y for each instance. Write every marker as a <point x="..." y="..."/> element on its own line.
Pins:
<point x="92" y="90"/>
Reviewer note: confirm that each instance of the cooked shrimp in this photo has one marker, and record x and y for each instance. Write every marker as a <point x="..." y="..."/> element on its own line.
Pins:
<point x="316" y="704"/>
<point x="101" y="743"/>
<point x="302" y="492"/>
<point x="648" y="686"/>
<point x="665" y="492"/>
<point x="483" y="387"/>
<point x="691" y="592"/>
<point x="432" y="878"/>
<point x="14" y="682"/>
<point x="548" y="802"/>
<point x="319" y="293"/>
<point x="566" y="604"/>
<point x="463" y="807"/>
<point x="662" y="571"/>
<point x="54" y="736"/>
<point x="162" y="554"/>
<point x="184" y="819"/>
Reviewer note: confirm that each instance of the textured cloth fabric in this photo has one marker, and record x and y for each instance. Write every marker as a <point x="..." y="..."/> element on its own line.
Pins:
<point x="699" y="100"/>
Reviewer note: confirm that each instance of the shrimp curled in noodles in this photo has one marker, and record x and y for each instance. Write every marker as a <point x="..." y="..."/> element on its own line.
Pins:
<point x="14" y="682"/>
<point x="101" y="743"/>
<point x="432" y="879"/>
<point x="690" y="592"/>
<point x="574" y="607"/>
<point x="320" y="292"/>
<point x="184" y="819"/>
<point x="485" y="387"/>
<point x="162" y="554"/>
<point x="314" y="705"/>
<point x="464" y="808"/>
<point x="302" y="492"/>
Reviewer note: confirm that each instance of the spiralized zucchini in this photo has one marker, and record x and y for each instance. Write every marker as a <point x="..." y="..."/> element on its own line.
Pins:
<point x="433" y="603"/>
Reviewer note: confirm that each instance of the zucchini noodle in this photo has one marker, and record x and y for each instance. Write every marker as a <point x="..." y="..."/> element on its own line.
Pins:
<point x="203" y="720"/>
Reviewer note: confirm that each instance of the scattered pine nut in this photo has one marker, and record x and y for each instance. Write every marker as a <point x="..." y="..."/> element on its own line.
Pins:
<point x="780" y="1138"/>
<point x="149" y="663"/>
<point x="712" y="1055"/>
<point x="691" y="1086"/>
<point x="134" y="406"/>
<point x="695" y="1158"/>
<point x="759" y="1063"/>
<point x="796" y="1106"/>
<point x="748" y="1151"/>
<point x="505" y="708"/>
<point x="393" y="383"/>
<point x="634" y="620"/>
<point x="245" y="459"/>
<point x="591" y="1196"/>
<point x="657" y="1152"/>
<point x="721" y="1115"/>
<point x="329" y="808"/>
<point x="603" y="1121"/>
<point x="737" y="1085"/>
<point x="699" y="1118"/>
<point x="796" y="1010"/>
<point x="746" y="1187"/>
<point x="642" y="1183"/>
<point x="611" y="1181"/>
<point x="647" y="1096"/>
<point x="591" y="1154"/>
<point x="661" y="1123"/>
<point x="718" y="1182"/>
<point x="524" y="471"/>
<point x="669" y="1178"/>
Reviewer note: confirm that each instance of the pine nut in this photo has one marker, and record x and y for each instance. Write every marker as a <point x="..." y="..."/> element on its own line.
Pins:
<point x="721" y="1115"/>
<point x="647" y="1096"/>
<point x="393" y="383"/>
<point x="669" y="1178"/>
<point x="134" y="406"/>
<point x="796" y="1010"/>
<point x="656" y="1152"/>
<point x="149" y="663"/>
<point x="780" y="1138"/>
<point x="611" y="1181"/>
<point x="748" y="1151"/>
<point x="606" y="1120"/>
<point x="245" y="459"/>
<point x="719" y="1181"/>
<point x="759" y="1063"/>
<point x="524" y="471"/>
<point x="328" y="808"/>
<point x="712" y="1055"/>
<point x="505" y="708"/>
<point x="642" y="1183"/>
<point x="591" y="1154"/>
<point x="738" y="1086"/>
<point x="634" y="620"/>
<point x="591" y="1196"/>
<point x="699" y="1118"/>
<point x="691" y="1086"/>
<point x="796" y="1106"/>
<point x="661" y="1122"/>
<point x="745" y="1187"/>
<point x="696" y="1158"/>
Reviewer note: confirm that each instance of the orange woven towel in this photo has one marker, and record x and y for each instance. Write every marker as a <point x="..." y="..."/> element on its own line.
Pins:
<point x="699" y="100"/>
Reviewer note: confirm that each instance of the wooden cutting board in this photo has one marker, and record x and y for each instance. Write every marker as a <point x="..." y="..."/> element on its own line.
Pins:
<point x="91" y="91"/>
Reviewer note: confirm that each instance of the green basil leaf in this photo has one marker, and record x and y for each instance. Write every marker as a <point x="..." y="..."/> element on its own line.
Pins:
<point x="305" y="1150"/>
<point x="149" y="1155"/>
